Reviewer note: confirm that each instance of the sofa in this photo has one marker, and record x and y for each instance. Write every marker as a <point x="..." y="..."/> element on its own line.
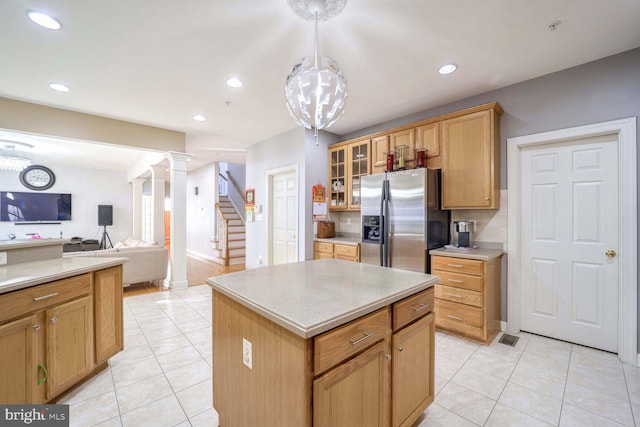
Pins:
<point x="147" y="261"/>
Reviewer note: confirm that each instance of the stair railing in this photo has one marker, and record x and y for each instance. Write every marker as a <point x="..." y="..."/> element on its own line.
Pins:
<point x="222" y="226"/>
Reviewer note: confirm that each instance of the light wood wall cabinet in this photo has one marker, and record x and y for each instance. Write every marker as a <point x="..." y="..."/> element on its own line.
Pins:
<point x="337" y="251"/>
<point x="464" y="144"/>
<point x="471" y="161"/>
<point x="467" y="299"/>
<point x="50" y="330"/>
<point x="347" y="164"/>
<point x="377" y="370"/>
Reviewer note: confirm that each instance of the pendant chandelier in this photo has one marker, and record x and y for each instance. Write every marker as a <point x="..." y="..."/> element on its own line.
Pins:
<point x="316" y="88"/>
<point x="12" y="160"/>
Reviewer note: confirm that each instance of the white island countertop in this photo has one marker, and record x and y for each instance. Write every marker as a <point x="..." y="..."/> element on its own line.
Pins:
<point x="26" y="274"/>
<point x="311" y="297"/>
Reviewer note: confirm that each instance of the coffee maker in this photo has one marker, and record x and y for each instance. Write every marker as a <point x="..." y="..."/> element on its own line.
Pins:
<point x="462" y="233"/>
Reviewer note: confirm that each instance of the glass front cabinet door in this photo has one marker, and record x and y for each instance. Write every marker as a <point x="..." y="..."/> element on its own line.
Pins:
<point x="338" y="179"/>
<point x="359" y="166"/>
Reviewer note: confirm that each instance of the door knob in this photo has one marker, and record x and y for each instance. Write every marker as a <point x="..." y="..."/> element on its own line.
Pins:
<point x="611" y="253"/>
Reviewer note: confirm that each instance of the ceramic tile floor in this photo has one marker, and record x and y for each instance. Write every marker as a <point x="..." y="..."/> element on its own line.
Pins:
<point x="163" y="377"/>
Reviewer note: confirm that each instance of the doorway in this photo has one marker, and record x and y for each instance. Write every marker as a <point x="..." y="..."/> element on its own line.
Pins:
<point x="572" y="243"/>
<point x="283" y="215"/>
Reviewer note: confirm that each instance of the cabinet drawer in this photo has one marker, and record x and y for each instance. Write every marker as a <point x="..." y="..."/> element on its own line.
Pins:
<point x="323" y="247"/>
<point x="458" y="314"/>
<point x="457" y="265"/>
<point x="412" y="308"/>
<point x="345" y="251"/>
<point x="322" y="255"/>
<point x="339" y="344"/>
<point x="459" y="295"/>
<point x="466" y="281"/>
<point x="28" y="300"/>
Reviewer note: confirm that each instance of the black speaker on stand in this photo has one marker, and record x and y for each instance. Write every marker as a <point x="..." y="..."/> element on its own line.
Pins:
<point x="105" y="217"/>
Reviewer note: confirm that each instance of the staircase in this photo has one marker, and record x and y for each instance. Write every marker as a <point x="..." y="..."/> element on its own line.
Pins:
<point x="229" y="248"/>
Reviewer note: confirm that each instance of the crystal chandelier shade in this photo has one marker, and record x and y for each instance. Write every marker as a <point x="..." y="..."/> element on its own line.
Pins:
<point x="316" y="88"/>
<point x="11" y="160"/>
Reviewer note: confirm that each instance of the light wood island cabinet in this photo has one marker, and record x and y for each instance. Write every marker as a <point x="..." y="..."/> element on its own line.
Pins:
<point x="55" y="331"/>
<point x="374" y="370"/>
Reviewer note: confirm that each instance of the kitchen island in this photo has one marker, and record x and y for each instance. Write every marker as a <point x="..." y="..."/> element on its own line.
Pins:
<point x="324" y="342"/>
<point x="61" y="320"/>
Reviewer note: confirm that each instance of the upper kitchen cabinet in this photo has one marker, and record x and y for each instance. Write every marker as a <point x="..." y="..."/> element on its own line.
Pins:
<point x="428" y="138"/>
<point x="348" y="162"/>
<point x="471" y="160"/>
<point x="379" y="150"/>
<point x="401" y="143"/>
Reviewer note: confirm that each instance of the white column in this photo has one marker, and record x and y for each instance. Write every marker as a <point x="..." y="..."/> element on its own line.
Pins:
<point x="157" y="193"/>
<point x="178" y="192"/>
<point x="137" y="207"/>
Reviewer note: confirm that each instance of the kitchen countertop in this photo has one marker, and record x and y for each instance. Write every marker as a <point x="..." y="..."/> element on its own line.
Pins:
<point x="311" y="297"/>
<point x="6" y="245"/>
<point x="26" y="274"/>
<point x="341" y="240"/>
<point x="481" y="254"/>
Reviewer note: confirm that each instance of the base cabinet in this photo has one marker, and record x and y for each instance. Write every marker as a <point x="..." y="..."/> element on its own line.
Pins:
<point x="18" y="361"/>
<point x="377" y="370"/>
<point x="47" y="334"/>
<point x="337" y="251"/>
<point x="354" y="394"/>
<point x="69" y="338"/>
<point x="468" y="297"/>
<point x="413" y="371"/>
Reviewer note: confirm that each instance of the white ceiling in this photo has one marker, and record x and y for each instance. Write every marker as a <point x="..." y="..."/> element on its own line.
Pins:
<point x="159" y="62"/>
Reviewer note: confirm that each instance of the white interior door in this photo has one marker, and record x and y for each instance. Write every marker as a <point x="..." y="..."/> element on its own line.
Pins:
<point x="570" y="219"/>
<point x="284" y="218"/>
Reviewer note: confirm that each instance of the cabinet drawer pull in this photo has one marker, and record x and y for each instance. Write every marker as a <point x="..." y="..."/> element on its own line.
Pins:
<point x="36" y="326"/>
<point x="420" y="307"/>
<point x="455" y="265"/>
<point x="455" y="318"/>
<point x="46" y="296"/>
<point x="358" y="341"/>
<point x="456" y="281"/>
<point x="455" y="296"/>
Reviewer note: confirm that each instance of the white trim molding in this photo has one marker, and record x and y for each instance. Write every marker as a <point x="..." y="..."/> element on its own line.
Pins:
<point x="628" y="220"/>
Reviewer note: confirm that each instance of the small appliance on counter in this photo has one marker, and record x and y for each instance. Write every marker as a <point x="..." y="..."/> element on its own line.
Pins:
<point x="462" y="234"/>
<point x="326" y="229"/>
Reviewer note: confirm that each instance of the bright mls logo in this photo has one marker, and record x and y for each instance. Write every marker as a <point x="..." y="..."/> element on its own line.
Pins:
<point x="34" y="415"/>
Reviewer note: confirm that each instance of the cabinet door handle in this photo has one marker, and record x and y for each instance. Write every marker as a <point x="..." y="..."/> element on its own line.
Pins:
<point x="366" y="336"/>
<point x="400" y="348"/>
<point x="46" y="296"/>
<point x="36" y="326"/>
<point x="420" y="307"/>
<point x="54" y="319"/>
<point x="387" y="356"/>
<point x="455" y="318"/>
<point x="455" y="265"/>
<point x="46" y="374"/>
<point x="455" y="296"/>
<point x="455" y="280"/>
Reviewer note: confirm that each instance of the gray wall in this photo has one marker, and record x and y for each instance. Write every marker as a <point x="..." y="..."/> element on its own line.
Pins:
<point x="201" y="212"/>
<point x="603" y="90"/>
<point x="296" y="147"/>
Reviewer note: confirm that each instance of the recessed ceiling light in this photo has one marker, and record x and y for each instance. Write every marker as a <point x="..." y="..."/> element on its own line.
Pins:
<point x="447" y="69"/>
<point x="44" y="20"/>
<point x="199" y="118"/>
<point x="59" y="87"/>
<point x="234" y="82"/>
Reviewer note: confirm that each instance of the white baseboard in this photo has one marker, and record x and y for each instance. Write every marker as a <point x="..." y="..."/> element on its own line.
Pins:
<point x="199" y="255"/>
<point x="503" y="326"/>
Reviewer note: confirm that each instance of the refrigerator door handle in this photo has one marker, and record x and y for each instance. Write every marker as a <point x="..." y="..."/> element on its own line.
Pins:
<point x="387" y="223"/>
<point x="382" y="226"/>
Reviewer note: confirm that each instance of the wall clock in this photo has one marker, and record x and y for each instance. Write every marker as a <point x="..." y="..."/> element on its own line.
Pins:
<point x="37" y="177"/>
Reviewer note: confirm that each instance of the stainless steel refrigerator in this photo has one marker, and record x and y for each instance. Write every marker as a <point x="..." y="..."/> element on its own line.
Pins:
<point x="401" y="219"/>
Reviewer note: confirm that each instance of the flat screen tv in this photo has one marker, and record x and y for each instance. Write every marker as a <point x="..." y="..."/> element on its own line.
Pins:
<point x="19" y="207"/>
